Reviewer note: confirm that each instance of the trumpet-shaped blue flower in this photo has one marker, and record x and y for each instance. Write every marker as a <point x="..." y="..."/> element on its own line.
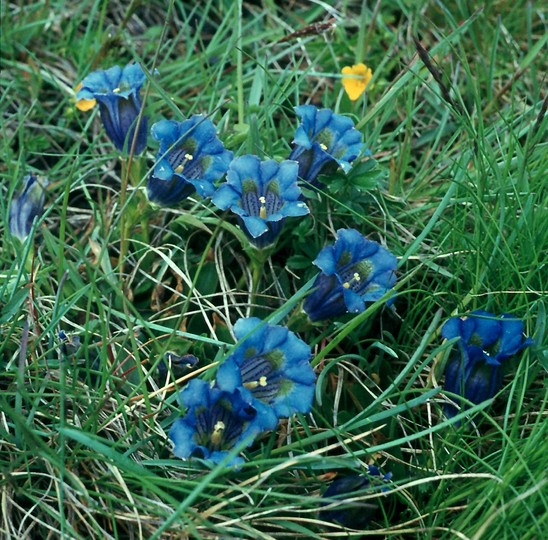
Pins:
<point x="272" y="367"/>
<point x="353" y="514"/>
<point x="354" y="271"/>
<point x="262" y="194"/>
<point x="69" y="343"/>
<point x="116" y="90"/>
<point x="215" y="422"/>
<point x="323" y="142"/>
<point x="475" y="369"/>
<point x="190" y="158"/>
<point x="179" y="365"/>
<point x="27" y="206"/>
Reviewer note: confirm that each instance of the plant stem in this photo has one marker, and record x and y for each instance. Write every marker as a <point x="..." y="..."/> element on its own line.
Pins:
<point x="124" y="180"/>
<point x="239" y="65"/>
<point x="258" y="260"/>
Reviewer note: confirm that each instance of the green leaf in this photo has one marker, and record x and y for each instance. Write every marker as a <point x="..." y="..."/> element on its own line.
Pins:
<point x="14" y="305"/>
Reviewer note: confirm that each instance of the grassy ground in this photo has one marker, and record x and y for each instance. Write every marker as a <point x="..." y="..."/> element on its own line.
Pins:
<point x="458" y="194"/>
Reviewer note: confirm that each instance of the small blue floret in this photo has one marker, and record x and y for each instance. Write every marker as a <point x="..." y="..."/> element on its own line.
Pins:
<point x="262" y="194"/>
<point x="352" y="514"/>
<point x="323" y="142"/>
<point x="117" y="91"/>
<point x="215" y="422"/>
<point x="354" y="271"/>
<point x="190" y="158"/>
<point x="485" y="341"/>
<point x="27" y="206"/>
<point x="272" y="367"/>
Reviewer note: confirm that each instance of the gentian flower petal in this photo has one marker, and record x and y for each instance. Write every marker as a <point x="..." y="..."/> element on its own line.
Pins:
<point x="354" y="271"/>
<point x="483" y="329"/>
<point x="511" y="337"/>
<point x="190" y="158"/>
<point x="256" y="226"/>
<point x="248" y="328"/>
<point x="27" y="206"/>
<point x="262" y="194"/>
<point x="182" y="435"/>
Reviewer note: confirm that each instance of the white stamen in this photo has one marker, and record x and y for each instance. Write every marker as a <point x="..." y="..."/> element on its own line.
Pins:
<point x="355" y="277"/>
<point x="217" y="434"/>
<point x="251" y="385"/>
<point x="262" y="210"/>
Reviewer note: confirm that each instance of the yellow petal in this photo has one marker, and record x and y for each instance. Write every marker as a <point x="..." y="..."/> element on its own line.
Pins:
<point x="355" y="85"/>
<point x="85" y="104"/>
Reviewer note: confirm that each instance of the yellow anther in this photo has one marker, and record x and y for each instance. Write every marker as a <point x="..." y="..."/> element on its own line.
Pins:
<point x="251" y="385"/>
<point x="323" y="147"/>
<point x="217" y="434"/>
<point x="179" y="169"/>
<point x="116" y="90"/>
<point x="355" y="277"/>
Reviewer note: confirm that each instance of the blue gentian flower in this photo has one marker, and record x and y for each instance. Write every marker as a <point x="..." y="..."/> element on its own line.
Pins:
<point x="352" y="514"/>
<point x="86" y="361"/>
<point x="116" y="90"/>
<point x="190" y="158"/>
<point x="179" y="365"/>
<point x="272" y="367"/>
<point x="354" y="271"/>
<point x="323" y="142"/>
<point x="475" y="369"/>
<point x="262" y="194"/>
<point x="69" y="343"/>
<point x="215" y="422"/>
<point x="27" y="206"/>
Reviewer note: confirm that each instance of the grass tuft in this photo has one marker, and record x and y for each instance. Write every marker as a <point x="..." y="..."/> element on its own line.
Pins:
<point x="455" y="118"/>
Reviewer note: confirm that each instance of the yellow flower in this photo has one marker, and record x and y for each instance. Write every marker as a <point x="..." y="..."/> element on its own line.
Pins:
<point x="85" y="104"/>
<point x="356" y="84"/>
